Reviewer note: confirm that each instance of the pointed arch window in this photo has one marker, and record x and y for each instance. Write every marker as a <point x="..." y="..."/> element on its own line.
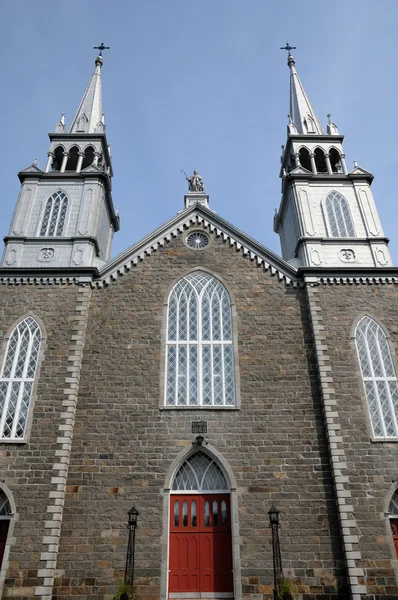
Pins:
<point x="199" y="346"/>
<point x="53" y="221"/>
<point x="17" y="378"/>
<point x="199" y="473"/>
<point x="339" y="216"/>
<point x="393" y="510"/>
<point x="379" y="377"/>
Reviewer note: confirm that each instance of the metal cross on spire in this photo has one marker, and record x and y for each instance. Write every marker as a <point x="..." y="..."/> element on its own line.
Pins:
<point x="101" y="48"/>
<point x="288" y="47"/>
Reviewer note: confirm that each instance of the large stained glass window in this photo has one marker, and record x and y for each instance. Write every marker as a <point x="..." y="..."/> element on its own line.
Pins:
<point x="199" y="353"/>
<point x="379" y="377"/>
<point x="17" y="378"/>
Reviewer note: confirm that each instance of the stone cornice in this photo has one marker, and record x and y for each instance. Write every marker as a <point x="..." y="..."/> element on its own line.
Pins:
<point x="203" y="217"/>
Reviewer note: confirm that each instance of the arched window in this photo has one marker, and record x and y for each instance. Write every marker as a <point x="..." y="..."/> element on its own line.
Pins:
<point x="393" y="510"/>
<point x="339" y="216"/>
<point x="304" y="158"/>
<point x="199" y="353"/>
<point x="5" y="515"/>
<point x="199" y="473"/>
<point x="17" y="378"/>
<point x="53" y="221"/>
<point x="320" y="161"/>
<point x="379" y="377"/>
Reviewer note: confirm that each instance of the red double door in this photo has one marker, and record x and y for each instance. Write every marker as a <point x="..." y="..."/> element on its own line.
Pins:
<point x="200" y="544"/>
<point x="394" y="529"/>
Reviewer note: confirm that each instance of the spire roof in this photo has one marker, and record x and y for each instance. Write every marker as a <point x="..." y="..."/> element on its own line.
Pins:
<point x="301" y="112"/>
<point x="89" y="116"/>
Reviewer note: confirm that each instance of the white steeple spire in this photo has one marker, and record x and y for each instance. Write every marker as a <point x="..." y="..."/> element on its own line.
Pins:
<point x="301" y="112"/>
<point x="89" y="115"/>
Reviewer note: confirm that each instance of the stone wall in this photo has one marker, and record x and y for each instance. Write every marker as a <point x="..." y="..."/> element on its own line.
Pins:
<point x="124" y="443"/>
<point x="372" y="466"/>
<point x="26" y="468"/>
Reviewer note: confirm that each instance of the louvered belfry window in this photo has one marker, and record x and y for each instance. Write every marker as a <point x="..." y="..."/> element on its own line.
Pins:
<point x="339" y="216"/>
<point x="199" y="353"/>
<point x="53" y="221"/>
<point x="17" y="378"/>
<point x="379" y="377"/>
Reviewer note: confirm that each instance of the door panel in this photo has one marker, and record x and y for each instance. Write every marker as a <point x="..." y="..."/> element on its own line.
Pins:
<point x="200" y="544"/>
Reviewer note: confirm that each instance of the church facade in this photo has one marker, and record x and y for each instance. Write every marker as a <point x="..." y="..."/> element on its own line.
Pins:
<point x="201" y="378"/>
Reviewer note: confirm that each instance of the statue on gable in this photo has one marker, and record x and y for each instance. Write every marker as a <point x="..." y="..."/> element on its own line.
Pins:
<point x="195" y="182"/>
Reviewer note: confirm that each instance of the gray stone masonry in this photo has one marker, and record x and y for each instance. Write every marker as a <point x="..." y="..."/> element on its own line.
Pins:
<point x="27" y="468"/>
<point x="124" y="444"/>
<point x="372" y="466"/>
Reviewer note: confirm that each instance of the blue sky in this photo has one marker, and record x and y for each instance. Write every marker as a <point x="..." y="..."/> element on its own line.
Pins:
<point x="200" y="84"/>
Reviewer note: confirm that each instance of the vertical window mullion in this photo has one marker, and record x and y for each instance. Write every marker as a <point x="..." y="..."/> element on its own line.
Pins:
<point x="211" y="349"/>
<point x="220" y="299"/>
<point x="177" y="347"/>
<point x="199" y="298"/>
<point x="188" y="348"/>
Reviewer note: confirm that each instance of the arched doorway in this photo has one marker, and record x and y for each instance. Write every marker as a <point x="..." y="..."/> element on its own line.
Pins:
<point x="200" y="542"/>
<point x="393" y="510"/>
<point x="5" y="516"/>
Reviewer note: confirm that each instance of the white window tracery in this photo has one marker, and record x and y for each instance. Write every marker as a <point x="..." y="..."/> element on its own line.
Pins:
<point x="17" y="378"/>
<point x="199" y="473"/>
<point x="393" y="506"/>
<point x="5" y="506"/>
<point x="379" y="377"/>
<point x="53" y="221"/>
<point x="339" y="215"/>
<point x="199" y="347"/>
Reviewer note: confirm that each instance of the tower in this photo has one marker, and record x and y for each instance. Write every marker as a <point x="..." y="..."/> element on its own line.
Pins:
<point x="64" y="215"/>
<point x="327" y="216"/>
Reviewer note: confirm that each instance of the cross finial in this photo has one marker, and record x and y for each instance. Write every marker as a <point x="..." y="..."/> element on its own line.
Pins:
<point x="288" y="47"/>
<point x="101" y="47"/>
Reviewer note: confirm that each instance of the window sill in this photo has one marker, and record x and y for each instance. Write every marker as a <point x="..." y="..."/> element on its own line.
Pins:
<point x="5" y="441"/>
<point x="228" y="408"/>
<point x="384" y="440"/>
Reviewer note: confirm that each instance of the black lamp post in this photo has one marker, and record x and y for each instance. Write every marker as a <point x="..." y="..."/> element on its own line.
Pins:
<point x="132" y="526"/>
<point x="276" y="549"/>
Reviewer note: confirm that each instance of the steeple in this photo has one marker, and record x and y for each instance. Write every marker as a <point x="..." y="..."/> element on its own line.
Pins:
<point x="65" y="216"/>
<point x="302" y="115"/>
<point x="89" y="116"/>
<point x="327" y="216"/>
